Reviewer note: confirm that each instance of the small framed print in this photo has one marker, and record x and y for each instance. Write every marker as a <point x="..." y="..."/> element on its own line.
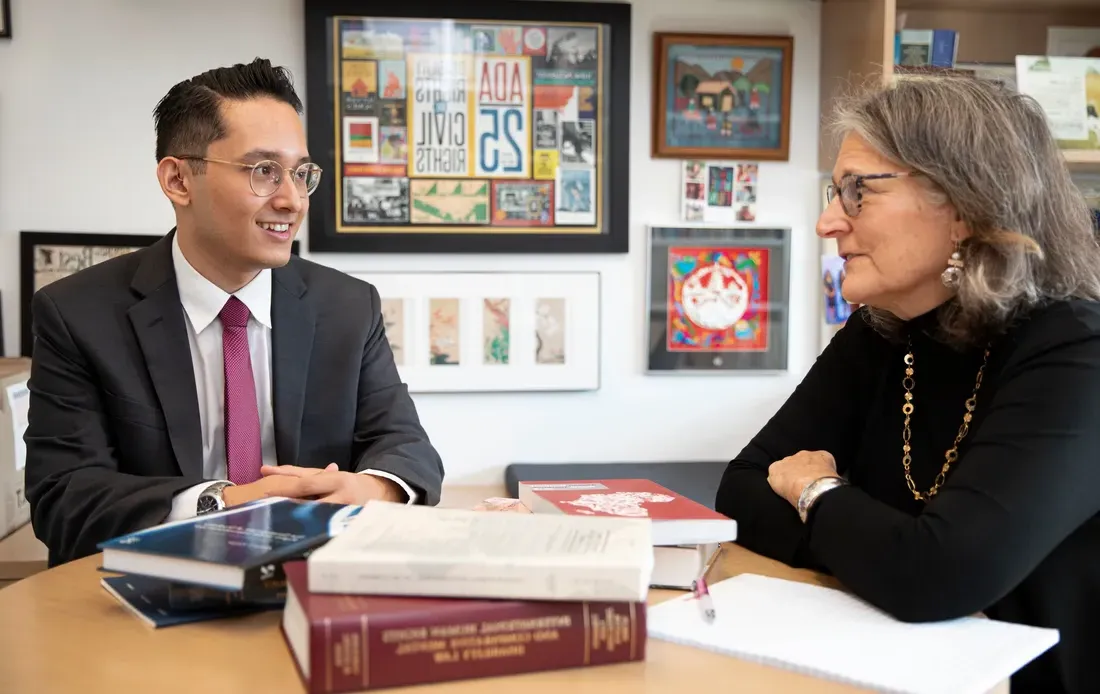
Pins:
<point x="457" y="332"/>
<point x="717" y="300"/>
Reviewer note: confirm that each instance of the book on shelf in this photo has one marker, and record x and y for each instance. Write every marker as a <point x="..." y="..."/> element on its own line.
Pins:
<point x="397" y="549"/>
<point x="685" y="532"/>
<point x="933" y="47"/>
<point x="238" y="549"/>
<point x="345" y="643"/>
<point x="832" y="635"/>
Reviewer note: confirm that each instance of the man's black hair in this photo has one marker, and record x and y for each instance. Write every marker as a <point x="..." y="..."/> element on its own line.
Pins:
<point x="188" y="118"/>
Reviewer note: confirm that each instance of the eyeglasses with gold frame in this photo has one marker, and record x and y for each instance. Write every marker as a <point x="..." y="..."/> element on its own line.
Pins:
<point x="267" y="175"/>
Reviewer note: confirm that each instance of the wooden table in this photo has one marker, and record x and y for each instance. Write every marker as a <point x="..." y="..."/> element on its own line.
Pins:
<point x="60" y="632"/>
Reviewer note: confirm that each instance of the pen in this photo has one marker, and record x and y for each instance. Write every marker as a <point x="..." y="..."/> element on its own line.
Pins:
<point x="702" y="592"/>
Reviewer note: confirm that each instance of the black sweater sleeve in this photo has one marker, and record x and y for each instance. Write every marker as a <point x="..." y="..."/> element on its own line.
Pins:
<point x="1028" y="480"/>
<point x="823" y="413"/>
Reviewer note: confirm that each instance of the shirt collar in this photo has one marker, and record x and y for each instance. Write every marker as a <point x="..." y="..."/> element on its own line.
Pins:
<point x="203" y="300"/>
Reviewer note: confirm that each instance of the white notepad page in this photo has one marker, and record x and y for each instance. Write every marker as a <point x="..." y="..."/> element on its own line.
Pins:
<point x="830" y="634"/>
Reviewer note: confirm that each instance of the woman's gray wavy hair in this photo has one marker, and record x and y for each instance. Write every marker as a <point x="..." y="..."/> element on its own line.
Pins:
<point x="989" y="152"/>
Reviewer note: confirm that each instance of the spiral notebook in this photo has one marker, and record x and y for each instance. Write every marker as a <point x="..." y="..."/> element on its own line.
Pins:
<point x="830" y="634"/>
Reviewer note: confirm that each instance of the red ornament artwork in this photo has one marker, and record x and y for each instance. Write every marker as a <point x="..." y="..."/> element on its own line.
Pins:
<point x="717" y="299"/>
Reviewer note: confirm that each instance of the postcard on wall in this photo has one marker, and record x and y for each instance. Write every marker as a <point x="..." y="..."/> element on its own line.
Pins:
<point x="718" y="192"/>
<point x="837" y="309"/>
<point x="717" y="299"/>
<point x="1068" y="90"/>
<point x="493" y="331"/>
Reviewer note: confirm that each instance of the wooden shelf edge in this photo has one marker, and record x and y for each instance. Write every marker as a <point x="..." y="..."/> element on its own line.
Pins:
<point x="1082" y="158"/>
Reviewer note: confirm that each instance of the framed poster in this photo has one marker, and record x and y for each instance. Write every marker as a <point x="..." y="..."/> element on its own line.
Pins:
<point x="47" y="256"/>
<point x="457" y="332"/>
<point x="722" y="97"/>
<point x="473" y="127"/>
<point x="717" y="300"/>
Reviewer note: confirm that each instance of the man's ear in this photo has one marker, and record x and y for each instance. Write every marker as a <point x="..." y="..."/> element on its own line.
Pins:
<point x="175" y="180"/>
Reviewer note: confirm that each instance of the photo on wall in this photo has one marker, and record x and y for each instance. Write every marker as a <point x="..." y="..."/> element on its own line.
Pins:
<point x="717" y="300"/>
<point x="837" y="310"/>
<point x="719" y="192"/>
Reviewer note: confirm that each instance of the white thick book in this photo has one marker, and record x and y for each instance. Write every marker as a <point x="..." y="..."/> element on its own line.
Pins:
<point x="830" y="634"/>
<point x="397" y="549"/>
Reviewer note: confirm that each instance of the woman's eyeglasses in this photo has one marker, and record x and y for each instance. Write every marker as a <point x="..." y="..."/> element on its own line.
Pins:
<point x="850" y="189"/>
<point x="267" y="175"/>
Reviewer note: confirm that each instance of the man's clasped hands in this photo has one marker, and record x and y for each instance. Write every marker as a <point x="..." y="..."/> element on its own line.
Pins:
<point x="330" y="484"/>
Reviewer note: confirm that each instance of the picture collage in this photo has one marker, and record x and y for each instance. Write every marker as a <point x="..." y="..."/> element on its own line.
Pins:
<point x="458" y="126"/>
<point x="719" y="191"/>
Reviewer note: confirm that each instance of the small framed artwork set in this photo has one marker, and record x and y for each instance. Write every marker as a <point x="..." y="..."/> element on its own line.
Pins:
<point x="492" y="332"/>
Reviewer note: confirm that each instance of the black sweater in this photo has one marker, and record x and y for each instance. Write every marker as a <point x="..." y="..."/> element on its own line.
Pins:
<point x="1014" y="532"/>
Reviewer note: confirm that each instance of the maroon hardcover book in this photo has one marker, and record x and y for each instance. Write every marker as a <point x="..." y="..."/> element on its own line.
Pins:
<point x="344" y="643"/>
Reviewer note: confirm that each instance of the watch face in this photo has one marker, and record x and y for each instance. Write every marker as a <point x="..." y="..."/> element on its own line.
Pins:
<point x="207" y="503"/>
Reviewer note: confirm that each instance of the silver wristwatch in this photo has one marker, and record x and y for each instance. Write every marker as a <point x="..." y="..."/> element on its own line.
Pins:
<point x="211" y="498"/>
<point x="815" y="489"/>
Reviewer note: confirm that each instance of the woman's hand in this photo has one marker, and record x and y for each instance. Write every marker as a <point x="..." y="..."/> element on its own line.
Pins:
<point x="790" y="475"/>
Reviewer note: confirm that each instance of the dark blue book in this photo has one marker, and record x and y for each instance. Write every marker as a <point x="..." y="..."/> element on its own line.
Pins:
<point x="239" y="549"/>
<point x="151" y="600"/>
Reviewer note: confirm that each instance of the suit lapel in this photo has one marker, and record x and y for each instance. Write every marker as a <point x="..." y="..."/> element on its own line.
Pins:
<point x="159" y="324"/>
<point x="293" y="320"/>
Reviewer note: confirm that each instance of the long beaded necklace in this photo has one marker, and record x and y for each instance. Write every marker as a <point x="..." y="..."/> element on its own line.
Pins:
<point x="952" y="454"/>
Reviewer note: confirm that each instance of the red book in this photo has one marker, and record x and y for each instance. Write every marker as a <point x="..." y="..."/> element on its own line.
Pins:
<point x="677" y="520"/>
<point x="346" y="643"/>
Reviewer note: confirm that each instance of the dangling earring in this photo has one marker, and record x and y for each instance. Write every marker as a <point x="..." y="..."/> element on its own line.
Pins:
<point x="951" y="276"/>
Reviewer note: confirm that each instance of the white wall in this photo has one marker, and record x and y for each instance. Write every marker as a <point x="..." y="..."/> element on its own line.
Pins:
<point x="77" y="87"/>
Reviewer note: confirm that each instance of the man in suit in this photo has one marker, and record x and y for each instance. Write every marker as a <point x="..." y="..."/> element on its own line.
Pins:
<point x="214" y="368"/>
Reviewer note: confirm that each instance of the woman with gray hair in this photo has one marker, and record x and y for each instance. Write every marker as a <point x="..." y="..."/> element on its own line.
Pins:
<point x="942" y="456"/>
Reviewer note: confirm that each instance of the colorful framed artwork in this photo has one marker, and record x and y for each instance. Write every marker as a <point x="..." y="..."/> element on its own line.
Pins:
<point x="717" y="299"/>
<point x="475" y="127"/>
<point x="47" y="256"/>
<point x="454" y="332"/>
<point x="722" y="97"/>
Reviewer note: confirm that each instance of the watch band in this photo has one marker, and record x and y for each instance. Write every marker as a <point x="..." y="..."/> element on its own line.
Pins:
<point x="211" y="499"/>
<point x="814" y="490"/>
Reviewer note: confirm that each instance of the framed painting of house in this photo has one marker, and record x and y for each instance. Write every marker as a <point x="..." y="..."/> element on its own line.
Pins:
<point x="722" y="97"/>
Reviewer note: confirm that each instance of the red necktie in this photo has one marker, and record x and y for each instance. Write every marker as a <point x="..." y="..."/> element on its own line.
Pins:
<point x="242" y="417"/>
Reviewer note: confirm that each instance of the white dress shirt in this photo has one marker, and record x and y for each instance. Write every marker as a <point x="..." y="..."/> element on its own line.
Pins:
<point x="202" y="302"/>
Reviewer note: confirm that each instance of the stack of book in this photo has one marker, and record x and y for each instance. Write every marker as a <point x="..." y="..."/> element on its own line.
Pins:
<point x="411" y="595"/>
<point x="219" y="564"/>
<point x="685" y="533"/>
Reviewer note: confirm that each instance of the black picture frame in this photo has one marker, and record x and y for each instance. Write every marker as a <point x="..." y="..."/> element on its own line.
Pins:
<point x="714" y="346"/>
<point x="5" y="19"/>
<point x="82" y="245"/>
<point x="326" y="109"/>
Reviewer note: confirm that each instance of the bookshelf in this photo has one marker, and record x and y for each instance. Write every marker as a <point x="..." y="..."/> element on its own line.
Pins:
<point x="857" y="42"/>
